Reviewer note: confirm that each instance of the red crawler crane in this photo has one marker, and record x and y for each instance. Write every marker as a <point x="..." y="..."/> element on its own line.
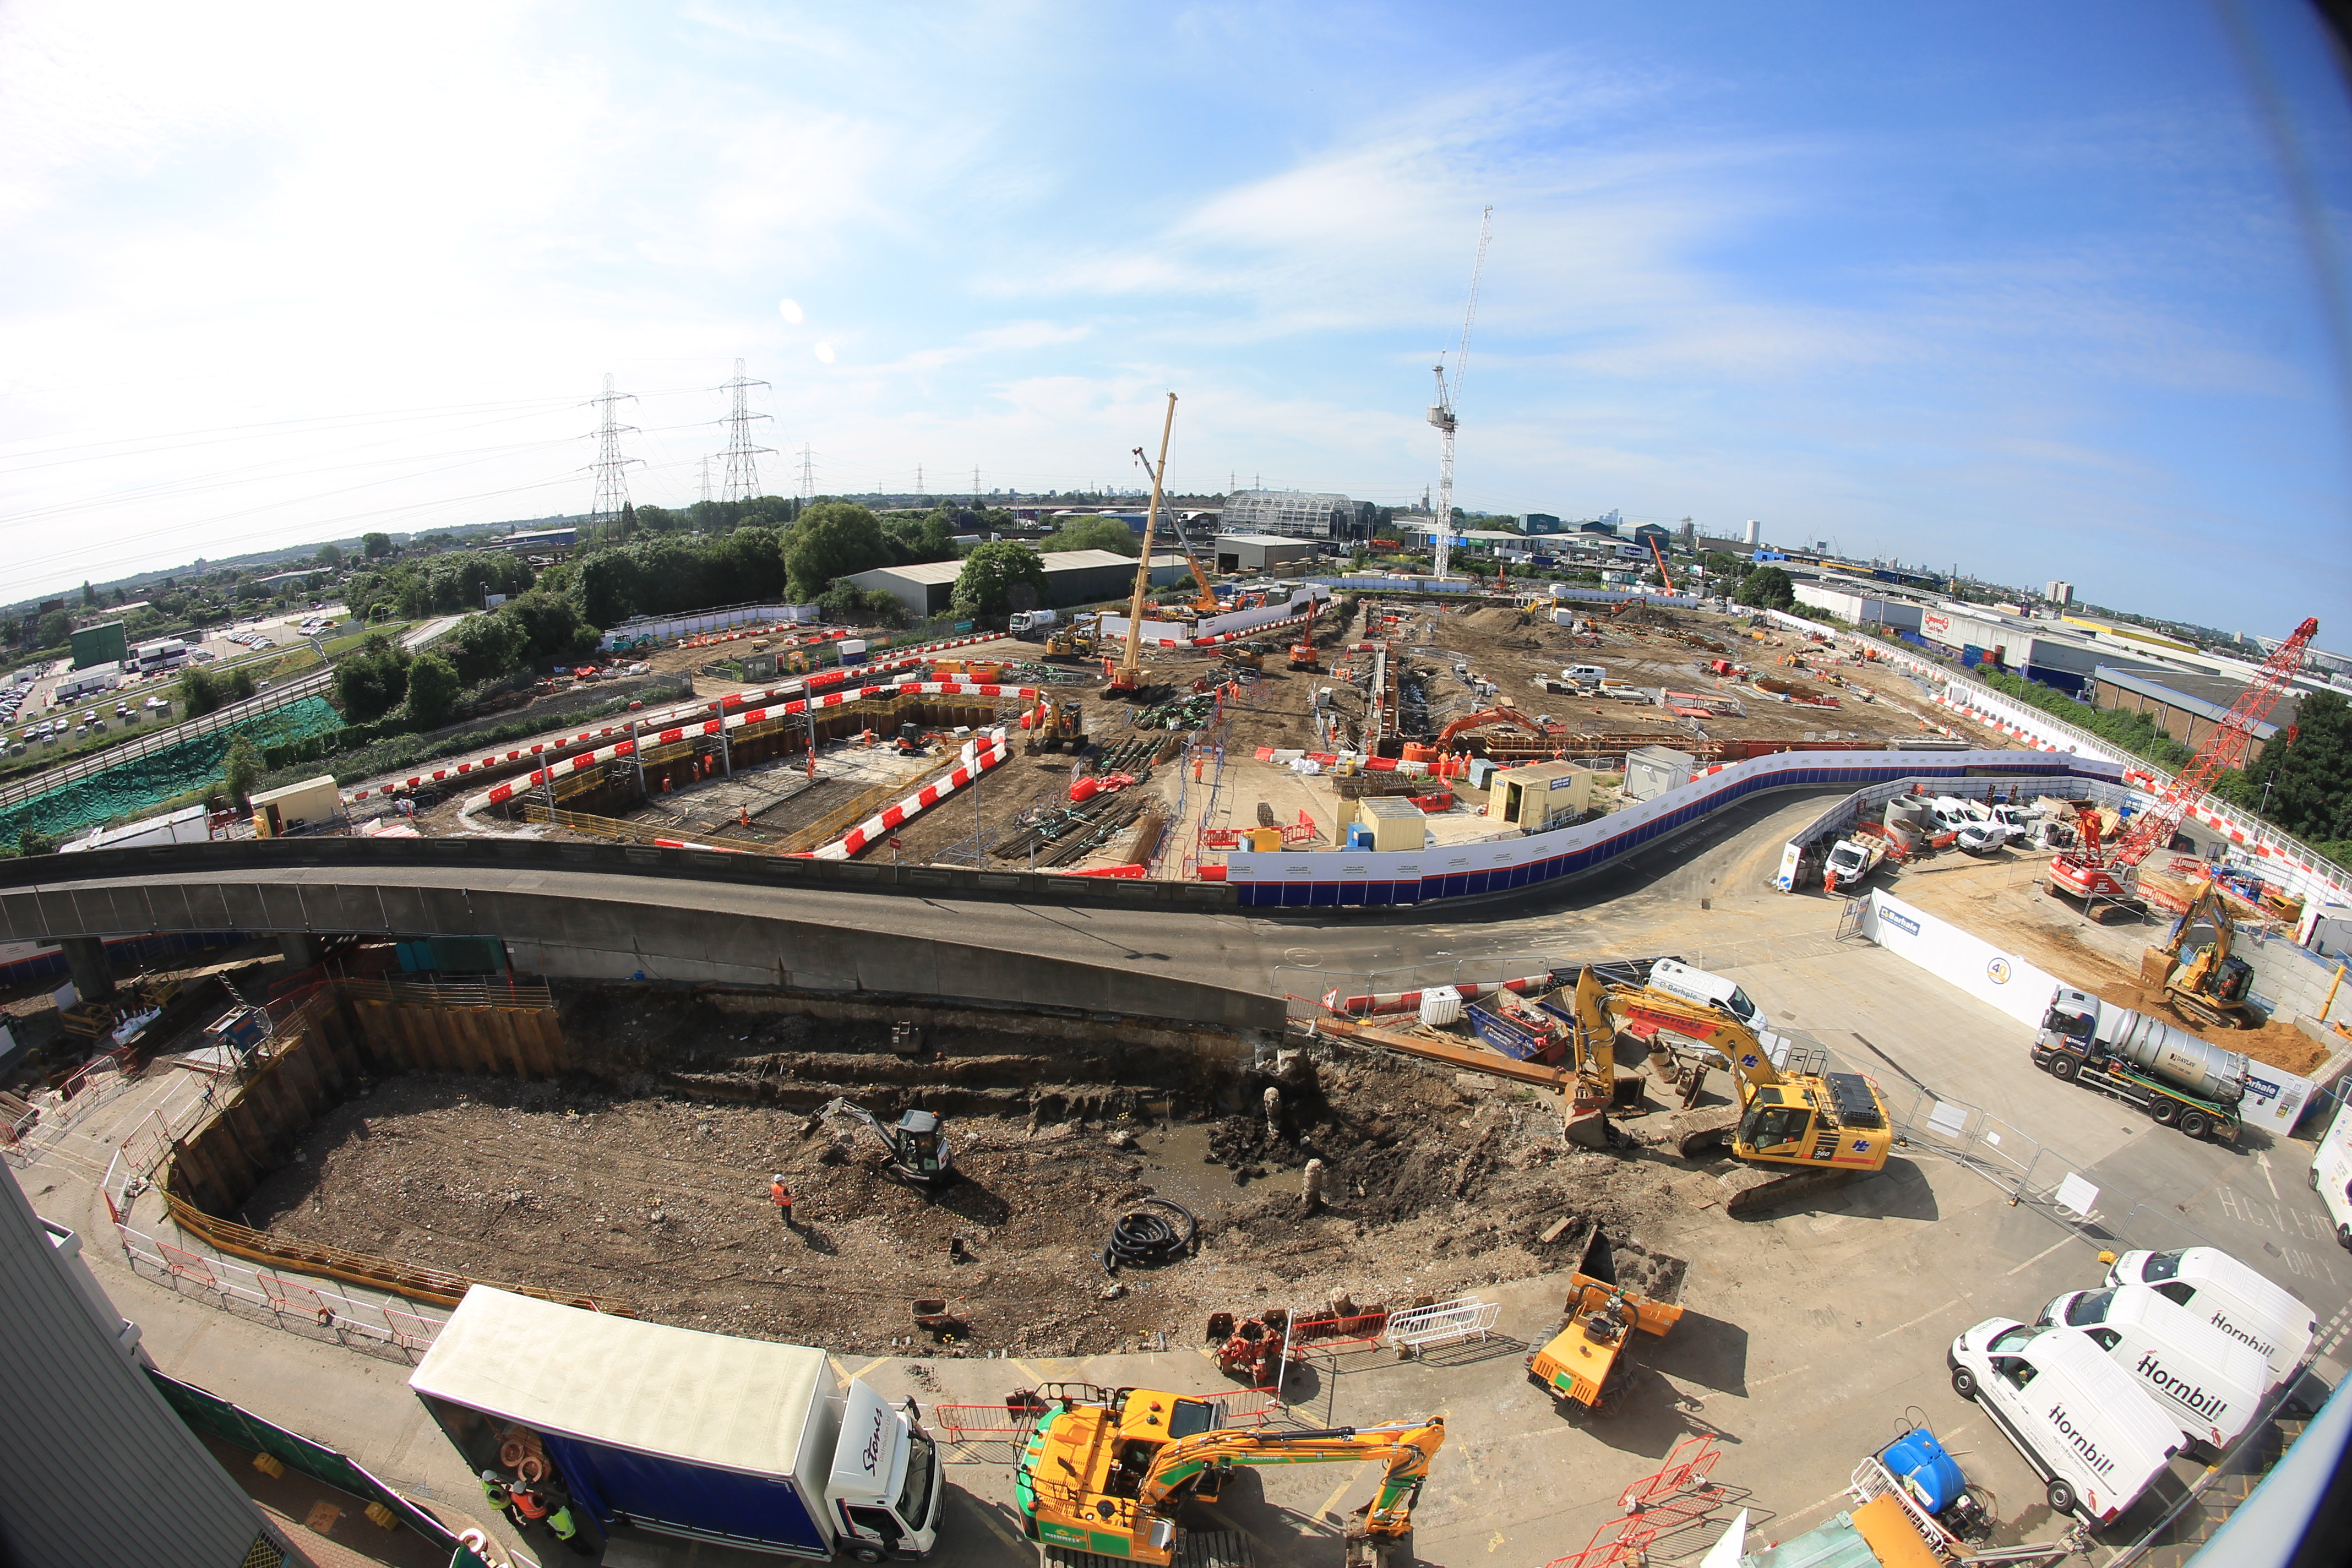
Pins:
<point x="2096" y="870"/>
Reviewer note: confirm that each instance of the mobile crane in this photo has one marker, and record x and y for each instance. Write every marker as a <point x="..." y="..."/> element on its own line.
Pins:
<point x="1127" y="676"/>
<point x="2101" y="873"/>
<point x="1204" y="600"/>
<point x="1663" y="576"/>
<point x="2212" y="986"/>
<point x="1105" y="1471"/>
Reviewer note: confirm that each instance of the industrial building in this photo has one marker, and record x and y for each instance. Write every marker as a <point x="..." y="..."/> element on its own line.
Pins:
<point x="1539" y="523"/>
<point x="1072" y="577"/>
<point x="1258" y="552"/>
<point x="2188" y="708"/>
<point x="88" y="682"/>
<point x="1297" y="515"/>
<point x="541" y="539"/>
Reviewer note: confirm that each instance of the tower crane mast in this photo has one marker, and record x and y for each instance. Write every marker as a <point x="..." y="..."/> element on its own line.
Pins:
<point x="2103" y="870"/>
<point x="1440" y="413"/>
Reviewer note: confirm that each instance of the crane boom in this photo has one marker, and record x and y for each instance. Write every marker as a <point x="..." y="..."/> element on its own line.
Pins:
<point x="1663" y="576"/>
<point x="1442" y="413"/>
<point x="2104" y="871"/>
<point x="1129" y="674"/>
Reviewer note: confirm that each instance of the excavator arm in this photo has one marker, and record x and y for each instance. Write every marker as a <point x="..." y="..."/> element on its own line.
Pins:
<point x="1641" y="1012"/>
<point x="1488" y="716"/>
<point x="1405" y="1448"/>
<point x="858" y="1114"/>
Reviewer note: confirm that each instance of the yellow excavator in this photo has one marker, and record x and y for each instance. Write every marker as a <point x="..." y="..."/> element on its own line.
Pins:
<point x="1105" y="1472"/>
<point x="1794" y="1128"/>
<point x="2209" y="985"/>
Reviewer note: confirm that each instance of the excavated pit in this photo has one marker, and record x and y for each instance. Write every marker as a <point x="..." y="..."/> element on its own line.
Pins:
<point x="642" y="1174"/>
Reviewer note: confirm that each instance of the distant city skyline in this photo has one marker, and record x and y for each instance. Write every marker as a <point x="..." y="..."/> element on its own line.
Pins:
<point x="2052" y="290"/>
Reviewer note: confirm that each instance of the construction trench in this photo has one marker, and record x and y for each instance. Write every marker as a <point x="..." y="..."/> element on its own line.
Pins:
<point x="617" y="1146"/>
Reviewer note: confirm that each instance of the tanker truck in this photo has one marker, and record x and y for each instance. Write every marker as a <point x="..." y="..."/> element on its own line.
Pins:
<point x="2179" y="1079"/>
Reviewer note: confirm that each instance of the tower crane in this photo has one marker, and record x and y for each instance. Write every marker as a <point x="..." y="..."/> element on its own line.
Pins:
<point x="2095" y="870"/>
<point x="1440" y="413"/>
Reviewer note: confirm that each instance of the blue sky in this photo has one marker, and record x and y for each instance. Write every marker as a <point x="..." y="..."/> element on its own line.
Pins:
<point x="2028" y="288"/>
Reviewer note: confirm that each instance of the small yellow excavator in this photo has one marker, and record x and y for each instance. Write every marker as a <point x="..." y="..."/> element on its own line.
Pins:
<point x="1056" y="721"/>
<point x="1105" y="1472"/>
<point x="2209" y="985"/>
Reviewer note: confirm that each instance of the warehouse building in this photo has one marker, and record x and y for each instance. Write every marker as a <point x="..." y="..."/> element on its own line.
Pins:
<point x="1260" y="553"/>
<point x="1072" y="577"/>
<point x="2188" y="708"/>
<point x="1298" y="514"/>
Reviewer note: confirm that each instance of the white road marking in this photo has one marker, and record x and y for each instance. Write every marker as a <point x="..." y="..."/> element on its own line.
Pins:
<point x="1779" y="1375"/>
<point x="2263" y="1158"/>
<point x="2043" y="1254"/>
<point x="1921" y="1318"/>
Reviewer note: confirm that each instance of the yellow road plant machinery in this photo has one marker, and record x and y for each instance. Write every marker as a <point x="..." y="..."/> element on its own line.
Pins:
<point x="1105" y="1472"/>
<point x="2209" y="984"/>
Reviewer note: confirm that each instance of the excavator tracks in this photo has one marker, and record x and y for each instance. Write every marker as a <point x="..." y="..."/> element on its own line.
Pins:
<point x="1755" y="1189"/>
<point x="1194" y="1549"/>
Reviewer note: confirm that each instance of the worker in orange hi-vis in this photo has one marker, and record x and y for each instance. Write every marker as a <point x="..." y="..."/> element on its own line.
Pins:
<point x="782" y="1196"/>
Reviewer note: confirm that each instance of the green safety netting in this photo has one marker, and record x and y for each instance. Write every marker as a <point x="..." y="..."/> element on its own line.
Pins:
<point x="148" y="781"/>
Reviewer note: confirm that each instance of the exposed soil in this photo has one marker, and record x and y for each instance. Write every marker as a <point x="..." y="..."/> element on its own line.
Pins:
<point x="650" y="1185"/>
<point x="1998" y="896"/>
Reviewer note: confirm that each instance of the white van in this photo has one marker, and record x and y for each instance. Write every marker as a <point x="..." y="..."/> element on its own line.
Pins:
<point x="1679" y="979"/>
<point x="2224" y="1292"/>
<point x="1584" y="674"/>
<point x="2331" y="1173"/>
<point x="2210" y="1383"/>
<point x="2092" y="1435"/>
<point x="1952" y="813"/>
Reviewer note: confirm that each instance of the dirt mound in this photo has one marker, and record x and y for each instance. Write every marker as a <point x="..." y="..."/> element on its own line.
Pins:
<point x="1495" y="622"/>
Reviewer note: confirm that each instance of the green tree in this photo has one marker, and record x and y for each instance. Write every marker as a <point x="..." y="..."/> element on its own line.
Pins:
<point x="1722" y="563"/>
<point x="371" y="681"/>
<point x="992" y="573"/>
<point x="832" y="539"/>
<point x="89" y="596"/>
<point x="31" y="842"/>
<point x="484" y="648"/>
<point x="2304" y="764"/>
<point x="929" y="536"/>
<point x="234" y="685"/>
<point x="239" y="768"/>
<point x="53" y="629"/>
<point x="199" y="693"/>
<point x="1768" y="588"/>
<point x="330" y="556"/>
<point x="376" y="545"/>
<point x="1093" y="533"/>
<point x="432" y="691"/>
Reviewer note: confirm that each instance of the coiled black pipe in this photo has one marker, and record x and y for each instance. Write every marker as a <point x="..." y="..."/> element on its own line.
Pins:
<point x="1142" y="1236"/>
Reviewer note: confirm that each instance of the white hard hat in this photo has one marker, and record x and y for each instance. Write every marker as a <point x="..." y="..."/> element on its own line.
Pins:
<point x="777" y="1177"/>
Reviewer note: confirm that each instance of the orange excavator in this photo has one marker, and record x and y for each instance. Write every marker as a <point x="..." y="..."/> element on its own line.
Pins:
<point x="1302" y="652"/>
<point x="1487" y="716"/>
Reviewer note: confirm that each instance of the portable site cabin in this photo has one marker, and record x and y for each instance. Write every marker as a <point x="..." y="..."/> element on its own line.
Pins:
<point x="1395" y="822"/>
<point x="1652" y="771"/>
<point x="303" y="804"/>
<point x="1552" y="795"/>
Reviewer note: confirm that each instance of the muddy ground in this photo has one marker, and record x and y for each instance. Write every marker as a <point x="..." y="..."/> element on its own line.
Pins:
<point x="649" y="1184"/>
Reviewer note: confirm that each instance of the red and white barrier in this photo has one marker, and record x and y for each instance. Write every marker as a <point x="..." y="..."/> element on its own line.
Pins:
<point x="581" y="763"/>
<point x="1410" y="1001"/>
<point x="981" y="753"/>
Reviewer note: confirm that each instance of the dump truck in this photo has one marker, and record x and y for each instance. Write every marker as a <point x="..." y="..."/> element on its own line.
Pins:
<point x="740" y="1443"/>
<point x="1851" y="862"/>
<point x="1613" y="1290"/>
<point x="2179" y="1079"/>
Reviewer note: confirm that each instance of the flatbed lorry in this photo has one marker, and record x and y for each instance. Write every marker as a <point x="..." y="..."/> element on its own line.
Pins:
<point x="704" y="1436"/>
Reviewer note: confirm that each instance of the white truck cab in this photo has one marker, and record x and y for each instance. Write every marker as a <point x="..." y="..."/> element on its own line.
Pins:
<point x="2095" y="1437"/>
<point x="1032" y="620"/>
<point x="1678" y="979"/>
<point x="2211" y="1383"/>
<point x="2227" y="1294"/>
<point x="884" y="1490"/>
